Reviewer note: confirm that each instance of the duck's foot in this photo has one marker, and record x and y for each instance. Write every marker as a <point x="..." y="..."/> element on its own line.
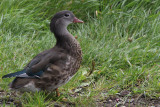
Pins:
<point x="57" y="92"/>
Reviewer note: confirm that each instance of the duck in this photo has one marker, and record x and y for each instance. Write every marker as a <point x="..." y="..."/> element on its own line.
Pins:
<point x="54" y="67"/>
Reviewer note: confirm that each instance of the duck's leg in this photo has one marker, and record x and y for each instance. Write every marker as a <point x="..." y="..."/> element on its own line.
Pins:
<point x="57" y="92"/>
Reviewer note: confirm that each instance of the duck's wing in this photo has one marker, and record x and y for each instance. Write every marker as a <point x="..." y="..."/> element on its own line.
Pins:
<point x="38" y="64"/>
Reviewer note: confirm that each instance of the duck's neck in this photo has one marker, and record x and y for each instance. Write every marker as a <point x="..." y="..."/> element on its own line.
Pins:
<point x="65" y="39"/>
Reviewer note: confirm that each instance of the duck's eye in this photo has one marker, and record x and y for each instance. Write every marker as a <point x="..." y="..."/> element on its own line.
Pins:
<point x="66" y="15"/>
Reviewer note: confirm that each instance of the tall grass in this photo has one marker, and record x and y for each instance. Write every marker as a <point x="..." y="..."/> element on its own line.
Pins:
<point x="121" y="36"/>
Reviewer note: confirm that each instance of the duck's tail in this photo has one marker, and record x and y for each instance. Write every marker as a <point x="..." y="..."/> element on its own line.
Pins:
<point x="24" y="84"/>
<point x="14" y="74"/>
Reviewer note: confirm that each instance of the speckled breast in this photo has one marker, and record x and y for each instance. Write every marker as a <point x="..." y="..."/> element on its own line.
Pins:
<point x="69" y="69"/>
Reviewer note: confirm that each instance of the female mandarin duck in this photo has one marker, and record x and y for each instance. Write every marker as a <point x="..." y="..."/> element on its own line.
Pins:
<point x="54" y="67"/>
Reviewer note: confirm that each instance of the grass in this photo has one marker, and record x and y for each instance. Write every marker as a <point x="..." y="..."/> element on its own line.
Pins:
<point x="123" y="39"/>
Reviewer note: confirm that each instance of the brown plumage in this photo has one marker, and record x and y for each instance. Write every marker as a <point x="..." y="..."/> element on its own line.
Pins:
<point x="56" y="66"/>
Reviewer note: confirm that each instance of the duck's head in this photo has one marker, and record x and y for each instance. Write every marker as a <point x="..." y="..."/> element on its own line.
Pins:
<point x="62" y="19"/>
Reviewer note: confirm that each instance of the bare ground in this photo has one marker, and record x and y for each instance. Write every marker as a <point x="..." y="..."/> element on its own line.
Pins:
<point x="123" y="99"/>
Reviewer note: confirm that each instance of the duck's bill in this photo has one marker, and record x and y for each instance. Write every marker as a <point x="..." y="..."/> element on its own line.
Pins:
<point x="76" y="20"/>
